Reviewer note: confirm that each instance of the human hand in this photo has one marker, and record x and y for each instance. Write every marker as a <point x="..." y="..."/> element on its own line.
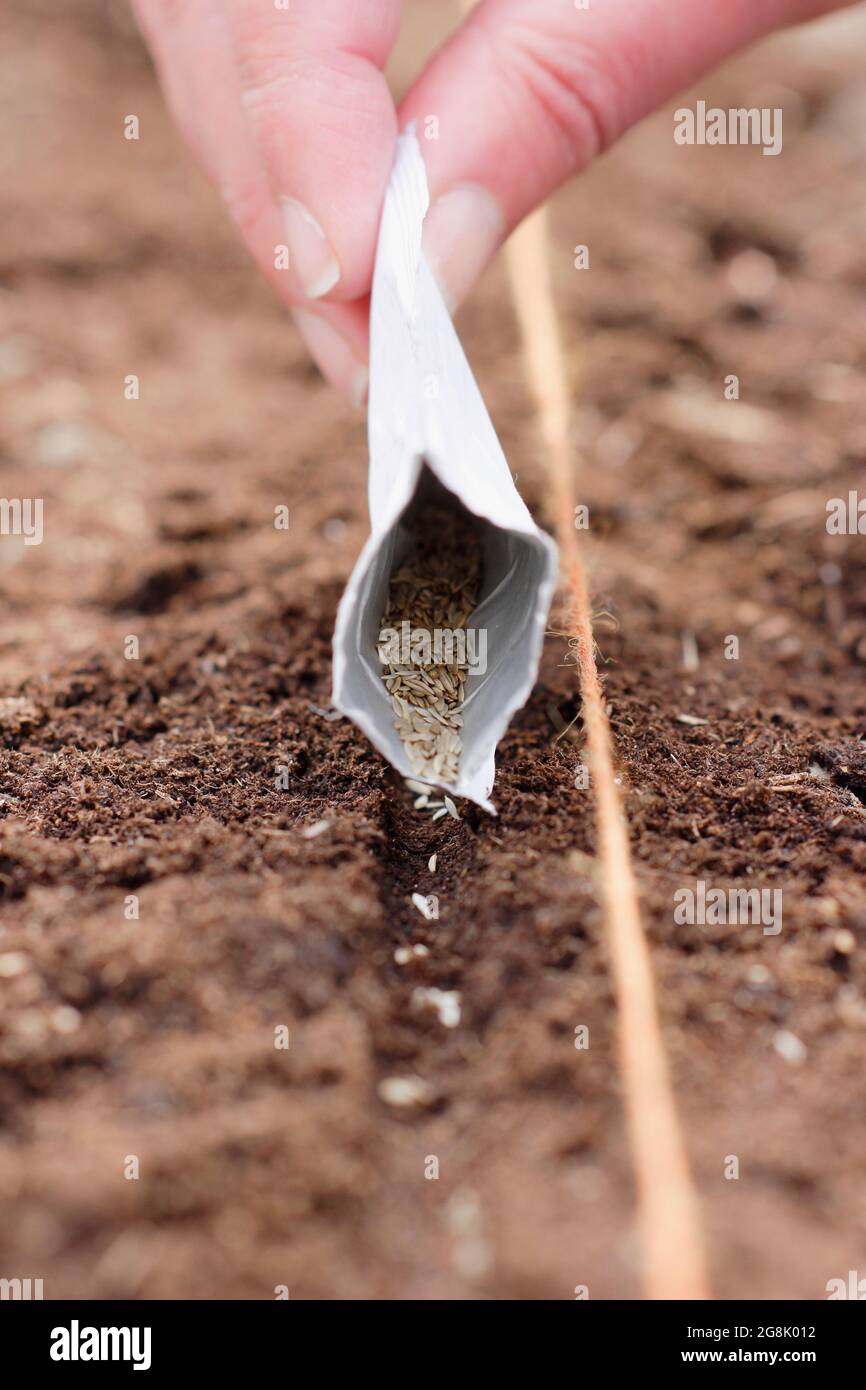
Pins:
<point x="288" y="111"/>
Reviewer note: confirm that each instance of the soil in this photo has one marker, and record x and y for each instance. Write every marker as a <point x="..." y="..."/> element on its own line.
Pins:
<point x="151" y="785"/>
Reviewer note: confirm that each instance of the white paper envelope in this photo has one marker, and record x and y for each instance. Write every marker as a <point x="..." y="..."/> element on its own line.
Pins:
<point x="425" y="411"/>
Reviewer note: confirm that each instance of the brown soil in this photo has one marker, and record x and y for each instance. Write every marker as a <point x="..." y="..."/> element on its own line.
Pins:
<point x="156" y="777"/>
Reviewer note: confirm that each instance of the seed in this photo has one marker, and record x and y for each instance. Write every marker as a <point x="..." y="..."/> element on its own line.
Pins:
<point x="13" y="963"/>
<point x="404" y="1091"/>
<point x="435" y="589"/>
<point x="444" y="1002"/>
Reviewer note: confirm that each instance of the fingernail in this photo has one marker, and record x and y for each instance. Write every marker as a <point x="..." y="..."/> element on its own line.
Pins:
<point x="310" y="253"/>
<point x="334" y="356"/>
<point x="462" y="231"/>
<point x="359" y="386"/>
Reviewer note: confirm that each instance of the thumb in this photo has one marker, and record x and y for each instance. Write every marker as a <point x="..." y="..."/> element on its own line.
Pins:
<point x="324" y="122"/>
<point x="529" y="91"/>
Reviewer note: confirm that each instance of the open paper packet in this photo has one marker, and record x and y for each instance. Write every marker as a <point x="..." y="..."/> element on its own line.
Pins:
<point x="434" y="453"/>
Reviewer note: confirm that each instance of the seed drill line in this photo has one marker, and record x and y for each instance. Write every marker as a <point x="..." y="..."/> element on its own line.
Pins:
<point x="672" y="1244"/>
<point x="673" y="1258"/>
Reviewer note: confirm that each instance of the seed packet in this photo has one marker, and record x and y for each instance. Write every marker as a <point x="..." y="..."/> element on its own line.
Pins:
<point x="443" y="618"/>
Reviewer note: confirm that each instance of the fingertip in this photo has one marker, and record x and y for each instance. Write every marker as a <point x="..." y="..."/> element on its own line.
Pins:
<point x="333" y="348"/>
<point x="463" y="230"/>
<point x="311" y="255"/>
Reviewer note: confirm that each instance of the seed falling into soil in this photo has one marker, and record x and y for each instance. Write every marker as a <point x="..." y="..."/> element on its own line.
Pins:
<point x="310" y="832"/>
<point x="789" y="1047"/>
<point x="445" y="1003"/>
<point x="405" y="954"/>
<point x="435" y="590"/>
<point x="405" y="1091"/>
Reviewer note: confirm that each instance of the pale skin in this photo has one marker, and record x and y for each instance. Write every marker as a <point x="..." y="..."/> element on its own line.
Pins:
<point x="289" y="113"/>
